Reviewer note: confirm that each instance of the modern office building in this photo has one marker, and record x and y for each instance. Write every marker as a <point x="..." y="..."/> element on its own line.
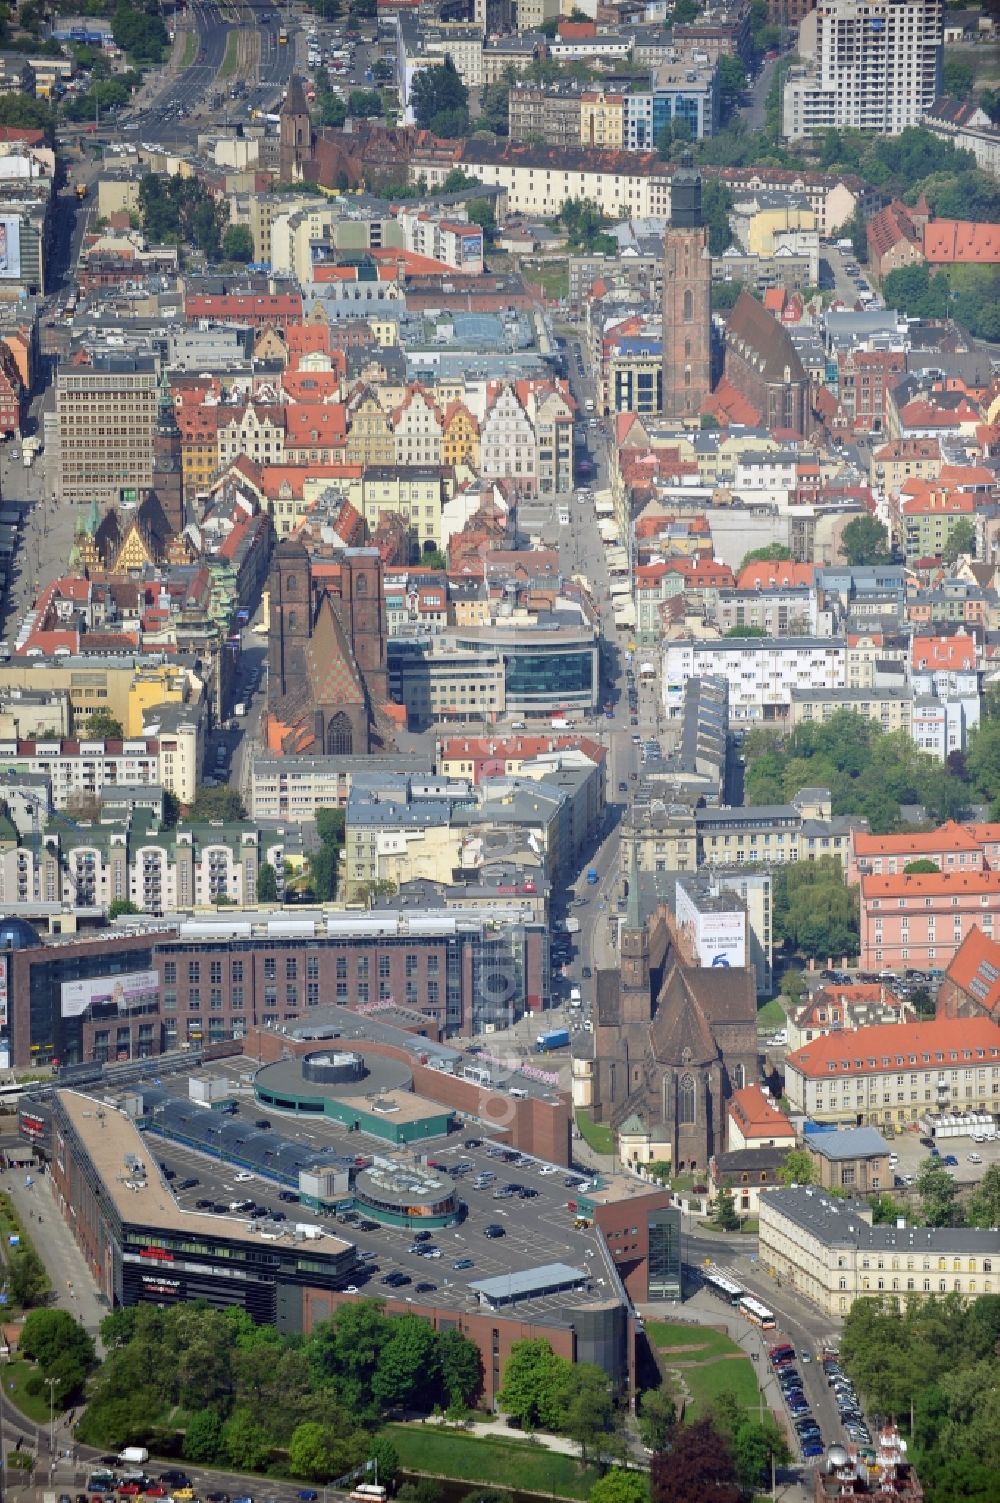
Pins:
<point x="107" y="413"/>
<point x="873" y="65"/>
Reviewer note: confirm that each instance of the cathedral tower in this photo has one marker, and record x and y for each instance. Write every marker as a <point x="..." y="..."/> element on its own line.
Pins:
<point x="687" y="300"/>
<point x="294" y="133"/>
<point x="168" y="479"/>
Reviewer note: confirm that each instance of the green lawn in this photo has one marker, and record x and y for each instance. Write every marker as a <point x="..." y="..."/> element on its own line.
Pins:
<point x="33" y="1406"/>
<point x="551" y="276"/>
<point x="714" y="1364"/>
<point x="450" y="1453"/>
<point x="771" y="1015"/>
<point x="598" y="1137"/>
<point x="190" y="49"/>
<point x="231" y="59"/>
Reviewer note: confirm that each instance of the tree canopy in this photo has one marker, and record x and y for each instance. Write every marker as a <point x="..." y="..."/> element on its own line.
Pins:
<point x="938" y="1356"/>
<point x="864" y="540"/>
<point x="180" y="210"/>
<point x="868" y="772"/>
<point x="440" y="100"/>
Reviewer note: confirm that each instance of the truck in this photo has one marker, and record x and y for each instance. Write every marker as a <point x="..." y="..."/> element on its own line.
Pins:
<point x="572" y="926"/>
<point x="133" y="1456"/>
<point x="556" y="1038"/>
<point x="81" y="190"/>
<point x="308" y="1229"/>
<point x="240" y="709"/>
<point x="592" y="877"/>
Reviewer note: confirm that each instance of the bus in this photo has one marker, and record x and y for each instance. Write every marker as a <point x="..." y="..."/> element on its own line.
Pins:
<point x="716" y="1282"/>
<point x="368" y="1492"/>
<point x="283" y="37"/>
<point x="756" y="1313"/>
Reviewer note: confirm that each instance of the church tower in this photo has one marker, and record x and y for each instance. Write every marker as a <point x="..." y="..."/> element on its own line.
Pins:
<point x="294" y="133"/>
<point x="363" y="598"/>
<point x="289" y="619"/>
<point x="168" y="480"/>
<point x="634" y="952"/>
<point x="687" y="301"/>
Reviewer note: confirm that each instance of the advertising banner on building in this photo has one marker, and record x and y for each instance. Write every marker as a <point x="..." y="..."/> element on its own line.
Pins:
<point x="10" y="246"/>
<point x="137" y="989"/>
<point x="3" y="993"/>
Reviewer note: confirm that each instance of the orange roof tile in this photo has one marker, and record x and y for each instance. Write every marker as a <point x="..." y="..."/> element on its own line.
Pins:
<point x="755" y="1113"/>
<point x="762" y="575"/>
<point x="975" y="968"/>
<point x="943" y="652"/>
<point x="888" y="1046"/>
<point x="947" y="837"/>
<point x="930" y="885"/>
<point x="949" y="240"/>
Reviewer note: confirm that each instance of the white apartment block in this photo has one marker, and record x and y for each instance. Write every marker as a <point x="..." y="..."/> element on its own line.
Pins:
<point x="874" y="65"/>
<point x="87" y="768"/>
<point x="761" y="672"/>
<point x="541" y="179"/>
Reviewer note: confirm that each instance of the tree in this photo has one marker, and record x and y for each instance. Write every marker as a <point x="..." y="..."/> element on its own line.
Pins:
<point x="864" y="541"/>
<point x="885" y="1210"/>
<point x="246" y="1442"/>
<point x="267" y="883"/>
<point x="920" y="867"/>
<point x="48" y="1335"/>
<point x="936" y="1190"/>
<point x="753" y="1443"/>
<point x="726" y="1216"/>
<point x="386" y="1458"/>
<point x="959" y="77"/>
<point x="461" y="1367"/>
<point x="984" y="1204"/>
<point x="438" y="96"/>
<point x="732" y="76"/>
<point x="203" y="1437"/>
<point x="683" y="12"/>
<point x="814" y="913"/>
<point x="855" y="230"/>
<point x="313" y="1451"/>
<point x="237" y="243"/>
<point x="480" y="211"/>
<point x="961" y="540"/>
<point x="588" y="1415"/>
<point x="119" y="907"/>
<point x="364" y="103"/>
<point x="217" y="803"/>
<point x="745" y="631"/>
<point x="774" y="553"/>
<point x="457" y="180"/>
<point x="139" y="33"/>
<point x="618" y="1486"/>
<point x="27" y="1282"/>
<point x="699" y="1468"/>
<point x="657" y="1417"/>
<point x="529" y="1380"/>
<point x="798" y="1168"/>
<point x="407" y="1364"/>
<point x="101" y="725"/>
<point x="716" y="207"/>
<point x="494" y="104"/>
<point x="583" y="223"/>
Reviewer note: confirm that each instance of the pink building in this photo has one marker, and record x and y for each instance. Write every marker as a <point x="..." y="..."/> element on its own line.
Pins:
<point x="921" y="920"/>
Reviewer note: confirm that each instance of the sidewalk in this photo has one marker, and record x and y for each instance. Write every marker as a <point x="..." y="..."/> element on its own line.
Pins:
<point x="498" y="1430"/>
<point x="72" y="1283"/>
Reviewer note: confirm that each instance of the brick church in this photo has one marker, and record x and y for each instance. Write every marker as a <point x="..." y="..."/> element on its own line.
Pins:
<point x="327" y="673"/>
<point x="672" y="1043"/>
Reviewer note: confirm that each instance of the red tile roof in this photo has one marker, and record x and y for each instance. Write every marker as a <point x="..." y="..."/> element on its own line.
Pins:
<point x="930" y="885"/>
<point x="754" y="1114"/>
<point x="888" y="1047"/>
<point x="762" y="575"/>
<point x="949" y="240"/>
<point x="947" y="837"/>
<point x="944" y="652"/>
<point x="975" y="968"/>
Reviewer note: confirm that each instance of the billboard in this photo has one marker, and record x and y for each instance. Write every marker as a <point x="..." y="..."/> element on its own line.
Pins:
<point x="125" y="993"/>
<point x="10" y="246"/>
<point x="717" y="935"/>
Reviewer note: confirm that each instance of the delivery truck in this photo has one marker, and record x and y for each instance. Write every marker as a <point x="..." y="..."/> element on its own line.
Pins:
<point x="133" y="1456"/>
<point x="556" y="1038"/>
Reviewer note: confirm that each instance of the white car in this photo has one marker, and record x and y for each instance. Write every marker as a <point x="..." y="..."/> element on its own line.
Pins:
<point x="975" y="1158"/>
<point x="548" y="1169"/>
<point x="243" y="1178"/>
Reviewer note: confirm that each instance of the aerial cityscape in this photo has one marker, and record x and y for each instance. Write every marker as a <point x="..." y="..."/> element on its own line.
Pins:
<point x="500" y="676"/>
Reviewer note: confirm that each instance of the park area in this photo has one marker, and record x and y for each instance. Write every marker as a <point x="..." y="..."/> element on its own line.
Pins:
<point x="439" y="1452"/>
<point x="706" y="1363"/>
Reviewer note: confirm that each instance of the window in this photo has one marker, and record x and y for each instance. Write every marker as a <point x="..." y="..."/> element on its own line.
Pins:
<point x="688" y="306"/>
<point x="685" y="1100"/>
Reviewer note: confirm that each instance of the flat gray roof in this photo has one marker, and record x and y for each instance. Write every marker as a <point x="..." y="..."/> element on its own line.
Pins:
<point x="530" y="1283"/>
<point x="850" y="1143"/>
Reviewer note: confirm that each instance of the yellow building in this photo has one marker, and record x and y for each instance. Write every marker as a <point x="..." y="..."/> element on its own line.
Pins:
<point x="767" y="224"/>
<point x="602" y="119"/>
<point x="121" y="687"/>
<point x="413" y="492"/>
<point x="460" y="437"/>
<point x="117" y="196"/>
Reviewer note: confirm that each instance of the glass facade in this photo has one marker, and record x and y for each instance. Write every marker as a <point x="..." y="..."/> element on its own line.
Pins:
<point x="664" y="1228"/>
<point x="549" y="678"/>
<point x="58" y="1037"/>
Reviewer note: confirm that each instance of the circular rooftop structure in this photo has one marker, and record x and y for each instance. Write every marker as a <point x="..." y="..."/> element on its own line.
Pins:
<point x="18" y="934"/>
<point x="404" y="1196"/>
<point x="304" y="1083"/>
